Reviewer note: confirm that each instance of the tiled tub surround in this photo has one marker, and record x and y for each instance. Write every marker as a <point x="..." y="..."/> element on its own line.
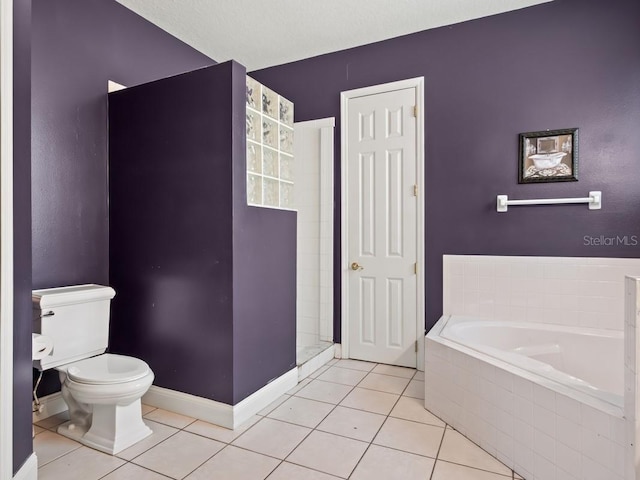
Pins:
<point x="539" y="427"/>
<point x="583" y="292"/>
<point x="270" y="165"/>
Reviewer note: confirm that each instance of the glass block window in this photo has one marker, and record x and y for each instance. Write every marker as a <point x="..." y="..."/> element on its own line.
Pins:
<point x="270" y="163"/>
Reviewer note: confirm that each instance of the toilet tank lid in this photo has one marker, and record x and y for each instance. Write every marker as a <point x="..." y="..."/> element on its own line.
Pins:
<point x="59" y="296"/>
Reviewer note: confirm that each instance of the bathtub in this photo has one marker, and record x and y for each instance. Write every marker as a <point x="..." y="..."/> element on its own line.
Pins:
<point x="547" y="400"/>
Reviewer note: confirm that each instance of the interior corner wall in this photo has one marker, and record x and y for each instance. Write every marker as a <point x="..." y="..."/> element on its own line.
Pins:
<point x="22" y="327"/>
<point x="76" y="48"/>
<point x="264" y="274"/>
<point x="563" y="64"/>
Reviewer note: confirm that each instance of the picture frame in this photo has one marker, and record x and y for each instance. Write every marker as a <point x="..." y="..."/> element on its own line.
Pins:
<point x="548" y="156"/>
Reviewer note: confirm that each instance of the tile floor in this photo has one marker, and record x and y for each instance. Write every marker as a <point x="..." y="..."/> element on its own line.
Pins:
<point x="349" y="419"/>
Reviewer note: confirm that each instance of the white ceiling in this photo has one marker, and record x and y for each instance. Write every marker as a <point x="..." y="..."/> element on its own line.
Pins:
<point x="263" y="33"/>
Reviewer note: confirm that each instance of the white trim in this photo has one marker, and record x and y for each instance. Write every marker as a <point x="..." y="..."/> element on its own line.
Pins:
<point x="29" y="469"/>
<point x="218" y="413"/>
<point x="338" y="350"/>
<point x="6" y="238"/>
<point x="418" y="84"/>
<point x="49" y="406"/>
<point x="310" y="366"/>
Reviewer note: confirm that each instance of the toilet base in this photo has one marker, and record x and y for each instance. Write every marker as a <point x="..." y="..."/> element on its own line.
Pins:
<point x="113" y="428"/>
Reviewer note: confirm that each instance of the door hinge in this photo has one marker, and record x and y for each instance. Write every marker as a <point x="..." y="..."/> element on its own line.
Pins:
<point x="415" y="190"/>
<point x="416" y="346"/>
<point x="415" y="111"/>
<point x="415" y="268"/>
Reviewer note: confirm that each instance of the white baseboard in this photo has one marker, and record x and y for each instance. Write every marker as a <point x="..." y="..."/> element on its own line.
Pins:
<point x="49" y="406"/>
<point x="316" y="362"/>
<point x="218" y="413"/>
<point x="29" y="469"/>
<point x="225" y="415"/>
<point x="338" y="352"/>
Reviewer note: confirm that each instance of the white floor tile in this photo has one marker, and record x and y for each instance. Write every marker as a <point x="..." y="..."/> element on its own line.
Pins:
<point x="458" y="449"/>
<point x="403" y="372"/>
<point x="221" y="434"/>
<point x="380" y="463"/>
<point x="273" y="405"/>
<point x="299" y="386"/>
<point x="351" y="423"/>
<point x="325" y="391"/>
<point x="179" y="454"/>
<point x="49" y="445"/>
<point x="37" y="430"/>
<point x="419" y="375"/>
<point x="131" y="471"/>
<point x="356" y="365"/>
<point x="302" y="411"/>
<point x="234" y="463"/>
<point x="318" y="372"/>
<point x="169" y="418"/>
<point x="289" y="471"/>
<point x="273" y="438"/>
<point x="410" y="437"/>
<point x="415" y="389"/>
<point x="449" y="471"/>
<point x="160" y="433"/>
<point x="384" y="383"/>
<point x="370" y="400"/>
<point x="329" y="453"/>
<point x="344" y="376"/>
<point x="81" y="464"/>
<point x="409" y="408"/>
<point x="147" y="409"/>
<point x="53" y="421"/>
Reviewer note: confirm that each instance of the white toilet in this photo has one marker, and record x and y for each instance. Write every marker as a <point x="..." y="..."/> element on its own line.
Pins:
<point x="102" y="390"/>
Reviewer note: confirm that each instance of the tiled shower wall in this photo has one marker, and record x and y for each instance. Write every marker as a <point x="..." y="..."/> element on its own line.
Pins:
<point x="586" y="292"/>
<point x="314" y="202"/>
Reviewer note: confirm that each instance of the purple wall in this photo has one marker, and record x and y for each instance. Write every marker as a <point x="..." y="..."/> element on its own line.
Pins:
<point x="22" y="328"/>
<point x="77" y="48"/>
<point x="264" y="274"/>
<point x="206" y="284"/>
<point x="486" y="81"/>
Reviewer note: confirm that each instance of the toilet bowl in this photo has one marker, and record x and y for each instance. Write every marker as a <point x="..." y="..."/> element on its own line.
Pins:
<point x="101" y="390"/>
<point x="103" y="395"/>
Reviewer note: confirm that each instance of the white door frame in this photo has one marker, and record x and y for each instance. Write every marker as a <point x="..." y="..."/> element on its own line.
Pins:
<point x="418" y="84"/>
<point x="6" y="238"/>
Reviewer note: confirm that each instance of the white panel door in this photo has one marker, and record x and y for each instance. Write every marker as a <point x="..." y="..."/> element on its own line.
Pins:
<point x="382" y="243"/>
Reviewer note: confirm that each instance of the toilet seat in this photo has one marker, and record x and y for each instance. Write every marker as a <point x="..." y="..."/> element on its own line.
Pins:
<point x="107" y="369"/>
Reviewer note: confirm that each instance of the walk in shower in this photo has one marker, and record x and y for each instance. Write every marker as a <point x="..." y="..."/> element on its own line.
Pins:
<point x="313" y="153"/>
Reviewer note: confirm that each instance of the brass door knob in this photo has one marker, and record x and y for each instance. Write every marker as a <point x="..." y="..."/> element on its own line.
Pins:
<point x="356" y="266"/>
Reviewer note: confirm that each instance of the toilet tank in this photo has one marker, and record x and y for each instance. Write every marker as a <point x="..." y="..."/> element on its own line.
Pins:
<point x="76" y="318"/>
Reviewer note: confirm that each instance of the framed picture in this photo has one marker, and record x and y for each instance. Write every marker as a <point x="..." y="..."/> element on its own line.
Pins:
<point x="548" y="156"/>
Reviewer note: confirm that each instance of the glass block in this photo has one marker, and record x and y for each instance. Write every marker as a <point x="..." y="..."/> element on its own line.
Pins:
<point x="286" y="167"/>
<point x="269" y="102"/>
<point x="269" y="132"/>
<point x="254" y="189"/>
<point x="269" y="162"/>
<point x="271" y="195"/>
<point x="286" y="139"/>
<point x="286" y="111"/>
<point x="253" y="94"/>
<point x="253" y="126"/>
<point x="286" y="195"/>
<point x="254" y="157"/>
